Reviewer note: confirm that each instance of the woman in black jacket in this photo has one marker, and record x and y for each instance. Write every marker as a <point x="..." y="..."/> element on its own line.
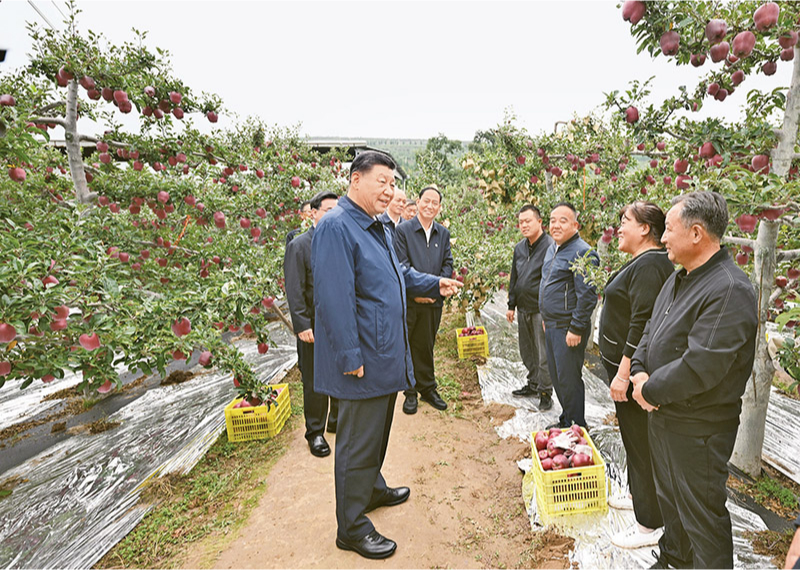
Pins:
<point x="629" y="297"/>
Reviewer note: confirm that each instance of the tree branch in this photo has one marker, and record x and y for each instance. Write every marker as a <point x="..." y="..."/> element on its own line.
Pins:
<point x="49" y="120"/>
<point x="49" y="107"/>
<point x="740" y="241"/>
<point x="787" y="255"/>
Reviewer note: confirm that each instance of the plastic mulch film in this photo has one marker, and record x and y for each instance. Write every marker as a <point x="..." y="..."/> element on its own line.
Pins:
<point x="504" y="372"/>
<point x="77" y="499"/>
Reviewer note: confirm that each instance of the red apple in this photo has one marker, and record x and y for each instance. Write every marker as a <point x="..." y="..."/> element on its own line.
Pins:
<point x="182" y="327"/>
<point x="89" y="341"/>
<point x="793" y="273"/>
<point x="212" y="117"/>
<point x="17" y="174"/>
<point x="87" y="82"/>
<point x="219" y="219"/>
<point x="633" y="12"/>
<point x="178" y="355"/>
<point x="7" y="101"/>
<point x="178" y="113"/>
<point x="175" y="97"/>
<point x="697" y="59"/>
<point x="631" y="114"/>
<point x="787" y="54"/>
<point x="716" y="30"/>
<point x="7" y="332"/>
<point x="295" y="181"/>
<point x="681" y="166"/>
<point x="682" y="182"/>
<point x="670" y="42"/>
<point x="205" y="358"/>
<point x="766" y="16"/>
<point x="244" y="222"/>
<point x="722" y="94"/>
<point x="106" y="387"/>
<point x="742" y="258"/>
<point x="719" y="51"/>
<point x="163" y="196"/>
<point x="747" y="222"/>
<point x="58" y="324"/>
<point x="788" y="39"/>
<point x="120" y="96"/>
<point x="5" y="369"/>
<point x="737" y="77"/>
<point x="743" y="43"/>
<point x="760" y="163"/>
<point x="781" y="281"/>
<point x="707" y="150"/>
<point x="263" y="347"/>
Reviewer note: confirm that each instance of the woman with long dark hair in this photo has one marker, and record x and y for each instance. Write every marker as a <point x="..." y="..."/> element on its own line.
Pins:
<point x="629" y="297"/>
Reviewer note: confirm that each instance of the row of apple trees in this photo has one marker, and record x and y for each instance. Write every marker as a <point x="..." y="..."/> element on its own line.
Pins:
<point x="134" y="247"/>
<point x="634" y="149"/>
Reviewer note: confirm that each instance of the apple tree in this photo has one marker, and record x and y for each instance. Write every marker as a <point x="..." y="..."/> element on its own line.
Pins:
<point x="751" y="162"/>
<point x="140" y="245"/>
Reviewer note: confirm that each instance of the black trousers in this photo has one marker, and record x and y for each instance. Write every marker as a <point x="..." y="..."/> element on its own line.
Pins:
<point x="361" y="439"/>
<point x="315" y="405"/>
<point x="423" y="324"/>
<point x="691" y="473"/>
<point x="566" y="363"/>
<point x="633" y="428"/>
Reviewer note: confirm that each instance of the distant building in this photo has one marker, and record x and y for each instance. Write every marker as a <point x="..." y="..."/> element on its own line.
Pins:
<point x="353" y="149"/>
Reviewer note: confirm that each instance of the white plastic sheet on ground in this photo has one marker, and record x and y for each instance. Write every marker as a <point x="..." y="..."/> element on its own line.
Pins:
<point x="79" y="498"/>
<point x="504" y="372"/>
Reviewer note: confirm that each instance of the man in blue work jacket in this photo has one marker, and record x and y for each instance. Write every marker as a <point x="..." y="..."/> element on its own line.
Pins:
<point x="362" y="354"/>
<point x="424" y="244"/>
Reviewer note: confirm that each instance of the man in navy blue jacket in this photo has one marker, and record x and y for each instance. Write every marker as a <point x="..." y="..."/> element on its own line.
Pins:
<point x="300" y="295"/>
<point x="361" y="351"/>
<point x="566" y="302"/>
<point x="424" y="244"/>
<point x="393" y="215"/>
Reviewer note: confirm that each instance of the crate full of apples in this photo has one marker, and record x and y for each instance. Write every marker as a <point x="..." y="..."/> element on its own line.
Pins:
<point x="472" y="341"/>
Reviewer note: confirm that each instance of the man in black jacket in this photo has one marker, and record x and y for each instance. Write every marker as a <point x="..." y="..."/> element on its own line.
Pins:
<point x="523" y="298"/>
<point x="690" y="371"/>
<point x="424" y="245"/>
<point x="300" y="295"/>
<point x="394" y="212"/>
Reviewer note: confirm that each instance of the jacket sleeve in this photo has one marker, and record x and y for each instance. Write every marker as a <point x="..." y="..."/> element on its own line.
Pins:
<point x="587" y="300"/>
<point x="447" y="257"/>
<point x="420" y="284"/>
<point x="401" y="246"/>
<point x="643" y="288"/>
<point x="335" y="295"/>
<point x="723" y="329"/>
<point x="512" y="296"/>
<point x="294" y="271"/>
<point x="639" y="356"/>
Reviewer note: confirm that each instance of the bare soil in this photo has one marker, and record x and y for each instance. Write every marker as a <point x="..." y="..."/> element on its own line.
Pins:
<point x="465" y="509"/>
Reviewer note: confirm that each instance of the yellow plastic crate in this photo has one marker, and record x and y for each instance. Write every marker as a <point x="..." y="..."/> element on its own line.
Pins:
<point x="570" y="491"/>
<point x="258" y="422"/>
<point x="477" y="345"/>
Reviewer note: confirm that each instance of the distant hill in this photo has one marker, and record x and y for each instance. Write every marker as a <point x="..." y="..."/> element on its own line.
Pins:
<point x="403" y="150"/>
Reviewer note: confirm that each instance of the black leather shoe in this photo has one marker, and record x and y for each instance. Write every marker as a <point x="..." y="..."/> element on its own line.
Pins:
<point x="319" y="447"/>
<point x="410" y="405"/>
<point x="374" y="546"/>
<point x="434" y="399"/>
<point x="524" y="391"/>
<point x="331" y="427"/>
<point x="545" y="402"/>
<point x="557" y="425"/>
<point x="392" y="496"/>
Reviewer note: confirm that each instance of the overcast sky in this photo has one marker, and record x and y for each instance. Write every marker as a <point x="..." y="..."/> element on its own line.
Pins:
<point x="388" y="69"/>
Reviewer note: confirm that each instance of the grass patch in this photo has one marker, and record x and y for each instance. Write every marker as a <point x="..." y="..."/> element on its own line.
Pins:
<point x="774" y="496"/>
<point x="213" y="500"/>
<point x="457" y="379"/>
<point x="771" y="543"/>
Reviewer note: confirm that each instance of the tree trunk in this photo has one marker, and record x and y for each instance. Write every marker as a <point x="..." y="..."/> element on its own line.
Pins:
<point x="73" y="144"/>
<point x="750" y="439"/>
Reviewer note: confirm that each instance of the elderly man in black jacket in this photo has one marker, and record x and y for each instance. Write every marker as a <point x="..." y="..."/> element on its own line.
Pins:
<point x="300" y="295"/>
<point x="690" y="371"/>
<point x="523" y="299"/>
<point x="424" y="244"/>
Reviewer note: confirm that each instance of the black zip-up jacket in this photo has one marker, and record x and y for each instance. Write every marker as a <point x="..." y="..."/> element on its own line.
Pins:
<point x="629" y="297"/>
<point x="699" y="348"/>
<point x="300" y="281"/>
<point x="526" y="274"/>
<point x="413" y="250"/>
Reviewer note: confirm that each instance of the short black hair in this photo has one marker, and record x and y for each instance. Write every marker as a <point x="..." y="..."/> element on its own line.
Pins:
<point x="319" y="197"/>
<point x="434" y="188"/>
<point x="305" y="203"/>
<point x="566" y="205"/>
<point x="709" y="209"/>
<point x="530" y="208"/>
<point x="369" y="158"/>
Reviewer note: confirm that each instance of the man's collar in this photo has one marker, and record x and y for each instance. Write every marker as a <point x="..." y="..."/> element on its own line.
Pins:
<point x="356" y="212"/>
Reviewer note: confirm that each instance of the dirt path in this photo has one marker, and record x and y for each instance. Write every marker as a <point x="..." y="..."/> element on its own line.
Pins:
<point x="465" y="509"/>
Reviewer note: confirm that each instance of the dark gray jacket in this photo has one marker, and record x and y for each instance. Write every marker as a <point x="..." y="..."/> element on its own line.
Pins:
<point x="566" y="301"/>
<point x="299" y="281"/>
<point x="526" y="274"/>
<point x="699" y="347"/>
<point x="413" y="250"/>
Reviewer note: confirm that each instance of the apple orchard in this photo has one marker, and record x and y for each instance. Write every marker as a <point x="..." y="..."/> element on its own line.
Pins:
<point x="131" y="248"/>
